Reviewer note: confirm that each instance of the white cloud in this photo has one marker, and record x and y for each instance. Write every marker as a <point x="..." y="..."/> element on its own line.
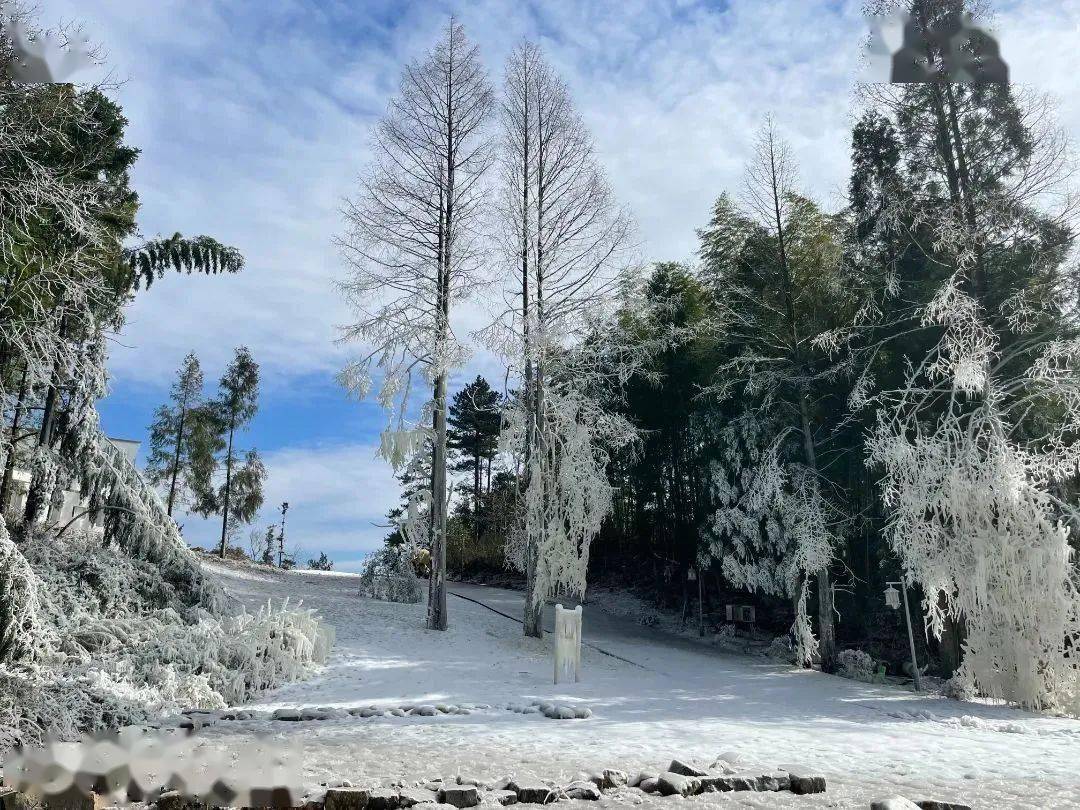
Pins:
<point x="338" y="498"/>
<point x="253" y="119"/>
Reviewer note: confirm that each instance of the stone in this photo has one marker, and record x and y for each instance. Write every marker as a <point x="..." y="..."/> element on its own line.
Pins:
<point x="583" y="713"/>
<point x="290" y="715"/>
<point x="280" y="797"/>
<point x="383" y="799"/>
<point x="471" y="780"/>
<point x="804" y="785"/>
<point x="74" y="799"/>
<point x="174" y="800"/>
<point x="444" y="708"/>
<point x="583" y="790"/>
<point x="566" y="713"/>
<point x="641" y="777"/>
<point x="532" y="792"/>
<point x="729" y="758"/>
<point x="398" y="712"/>
<point x="503" y="797"/>
<point x="460" y="796"/>
<point x="346" y="799"/>
<point x="931" y="804"/>
<point x="425" y="711"/>
<point x="727" y="783"/>
<point x="650" y="785"/>
<point x="894" y="803"/>
<point x="680" y="767"/>
<point x="774" y="782"/>
<point x="314" y="714"/>
<point x="677" y="784"/>
<point x="418" y="795"/>
<point x="11" y="799"/>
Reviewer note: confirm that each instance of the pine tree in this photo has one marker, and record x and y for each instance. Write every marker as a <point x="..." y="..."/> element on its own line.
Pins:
<point x="473" y="435"/>
<point x="236" y="404"/>
<point x="178" y="445"/>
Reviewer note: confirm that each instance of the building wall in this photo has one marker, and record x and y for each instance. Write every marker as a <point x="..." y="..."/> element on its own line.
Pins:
<point x="73" y="502"/>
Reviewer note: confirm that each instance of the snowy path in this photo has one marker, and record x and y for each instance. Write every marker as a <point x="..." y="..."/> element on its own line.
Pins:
<point x="683" y="700"/>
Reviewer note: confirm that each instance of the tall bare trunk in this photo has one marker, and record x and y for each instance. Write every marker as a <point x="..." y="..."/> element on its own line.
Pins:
<point x="176" y="459"/>
<point x="228" y="490"/>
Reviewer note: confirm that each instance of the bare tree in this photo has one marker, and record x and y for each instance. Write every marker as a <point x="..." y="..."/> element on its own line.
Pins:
<point x="412" y="250"/>
<point x="569" y="242"/>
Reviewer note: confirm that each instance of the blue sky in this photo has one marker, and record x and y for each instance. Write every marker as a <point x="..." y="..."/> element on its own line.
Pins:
<point x="253" y="119"/>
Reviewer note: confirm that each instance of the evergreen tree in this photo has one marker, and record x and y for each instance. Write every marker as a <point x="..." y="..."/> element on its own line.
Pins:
<point x="181" y="446"/>
<point x="474" y="420"/>
<point x="236" y="404"/>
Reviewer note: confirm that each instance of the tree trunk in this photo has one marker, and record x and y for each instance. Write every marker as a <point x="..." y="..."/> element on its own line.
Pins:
<point x="9" y="462"/>
<point x="437" y="618"/>
<point x="176" y="459"/>
<point x="35" y="496"/>
<point x="477" y="479"/>
<point x="534" y="600"/>
<point x="436" y="613"/>
<point x="228" y="489"/>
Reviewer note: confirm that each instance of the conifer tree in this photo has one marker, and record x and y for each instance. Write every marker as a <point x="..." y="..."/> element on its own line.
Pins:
<point x="473" y="435"/>
<point x="181" y="446"/>
<point x="236" y="404"/>
<point x="412" y="249"/>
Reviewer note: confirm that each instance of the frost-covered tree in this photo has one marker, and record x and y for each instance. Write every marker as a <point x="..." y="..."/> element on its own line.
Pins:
<point x="976" y="442"/>
<point x="568" y="242"/>
<point x="775" y="266"/>
<point x="412" y="249"/>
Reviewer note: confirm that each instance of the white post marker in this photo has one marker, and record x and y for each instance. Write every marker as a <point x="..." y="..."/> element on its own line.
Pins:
<point x="567" y="644"/>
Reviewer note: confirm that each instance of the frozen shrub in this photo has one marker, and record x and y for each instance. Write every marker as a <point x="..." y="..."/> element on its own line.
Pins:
<point x="121" y="638"/>
<point x="781" y="649"/>
<point x="857" y="665"/>
<point x="958" y="688"/>
<point x="388" y="575"/>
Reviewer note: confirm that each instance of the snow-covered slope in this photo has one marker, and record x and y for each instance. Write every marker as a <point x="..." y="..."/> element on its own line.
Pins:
<point x="669" y="697"/>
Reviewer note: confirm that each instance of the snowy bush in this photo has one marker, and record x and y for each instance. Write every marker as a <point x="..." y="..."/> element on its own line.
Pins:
<point x="781" y="649"/>
<point x="857" y="665"/>
<point x="388" y="575"/>
<point x="120" y="639"/>
<point x="958" y="688"/>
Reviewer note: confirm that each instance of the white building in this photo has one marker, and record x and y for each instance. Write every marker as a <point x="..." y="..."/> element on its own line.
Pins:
<point x="73" y="503"/>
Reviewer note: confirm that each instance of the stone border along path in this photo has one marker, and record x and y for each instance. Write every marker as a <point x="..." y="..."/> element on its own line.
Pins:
<point x="680" y="779"/>
<point x="198" y="718"/>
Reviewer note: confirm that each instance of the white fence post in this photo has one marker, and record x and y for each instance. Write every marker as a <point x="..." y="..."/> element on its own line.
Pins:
<point x="567" y="644"/>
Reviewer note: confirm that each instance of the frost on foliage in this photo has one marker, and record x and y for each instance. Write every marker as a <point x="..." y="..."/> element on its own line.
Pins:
<point x="979" y="513"/>
<point x="771" y="528"/>
<point x="117" y="642"/>
<point x="388" y="575"/>
<point x="106" y="627"/>
<point x="857" y="665"/>
<point x="568" y="493"/>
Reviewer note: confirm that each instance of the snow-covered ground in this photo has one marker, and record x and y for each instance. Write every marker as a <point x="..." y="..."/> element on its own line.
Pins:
<point x="655" y="696"/>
